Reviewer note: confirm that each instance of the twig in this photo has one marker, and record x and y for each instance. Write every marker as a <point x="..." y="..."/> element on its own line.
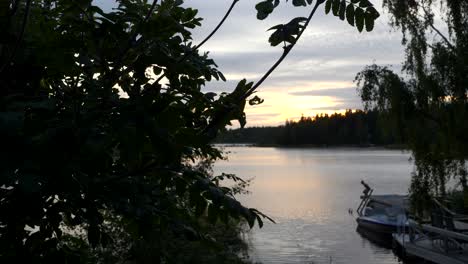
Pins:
<point x="132" y="39"/>
<point x="113" y="76"/>
<point x="437" y="30"/>
<point x="208" y="131"/>
<point x="20" y="37"/>
<point x="234" y="2"/>
<point x="285" y="52"/>
<point x="442" y="36"/>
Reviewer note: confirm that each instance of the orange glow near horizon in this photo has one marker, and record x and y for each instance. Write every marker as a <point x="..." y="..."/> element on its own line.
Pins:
<point x="282" y="104"/>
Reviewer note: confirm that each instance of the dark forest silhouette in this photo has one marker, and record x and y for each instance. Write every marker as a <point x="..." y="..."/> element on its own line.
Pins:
<point x="358" y="128"/>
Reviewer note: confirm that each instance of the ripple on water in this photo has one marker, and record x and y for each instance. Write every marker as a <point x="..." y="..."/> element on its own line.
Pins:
<point x="308" y="193"/>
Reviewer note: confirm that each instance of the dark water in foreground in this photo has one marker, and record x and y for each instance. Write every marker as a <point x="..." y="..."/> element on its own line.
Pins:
<point x="308" y="192"/>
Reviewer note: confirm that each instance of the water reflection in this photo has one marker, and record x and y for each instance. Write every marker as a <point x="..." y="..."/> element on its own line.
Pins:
<point x="380" y="240"/>
<point x="308" y="192"/>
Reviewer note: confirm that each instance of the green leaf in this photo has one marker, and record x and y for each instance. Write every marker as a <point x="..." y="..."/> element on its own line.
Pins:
<point x="157" y="70"/>
<point x="359" y="15"/>
<point x="277" y="36"/>
<point x="264" y="9"/>
<point x="242" y="120"/>
<point x="328" y="6"/>
<point x="221" y="76"/>
<point x="350" y="14"/>
<point x="249" y="216"/>
<point x="276" y="27"/>
<point x="342" y="9"/>
<point x="336" y="7"/>
<point x="256" y="101"/>
<point x="299" y="3"/>
<point x="286" y="33"/>
<point x="259" y="221"/>
<point x="365" y="3"/>
<point x="373" y="12"/>
<point x="369" y="20"/>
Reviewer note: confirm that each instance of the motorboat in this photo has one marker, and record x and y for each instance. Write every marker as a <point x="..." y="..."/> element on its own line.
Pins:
<point x="382" y="214"/>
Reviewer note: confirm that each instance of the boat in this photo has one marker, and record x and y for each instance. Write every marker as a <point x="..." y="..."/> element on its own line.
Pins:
<point x="382" y="214"/>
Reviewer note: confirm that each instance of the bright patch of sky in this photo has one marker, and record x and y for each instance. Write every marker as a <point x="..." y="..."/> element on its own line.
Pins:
<point x="317" y="76"/>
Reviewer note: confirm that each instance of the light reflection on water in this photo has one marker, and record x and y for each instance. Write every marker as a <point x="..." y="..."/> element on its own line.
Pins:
<point x="308" y="193"/>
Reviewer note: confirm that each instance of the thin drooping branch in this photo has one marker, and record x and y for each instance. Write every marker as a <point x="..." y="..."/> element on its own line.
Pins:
<point x="442" y="36"/>
<point x="285" y="52"/>
<point x="20" y="37"/>
<point x="234" y="2"/>
<point x="210" y="130"/>
<point x="436" y="29"/>
<point x="191" y="52"/>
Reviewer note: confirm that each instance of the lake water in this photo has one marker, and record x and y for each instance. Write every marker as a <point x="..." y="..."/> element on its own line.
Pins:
<point x="308" y="192"/>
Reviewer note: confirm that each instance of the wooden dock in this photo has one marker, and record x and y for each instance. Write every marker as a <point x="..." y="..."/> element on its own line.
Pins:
<point x="434" y="244"/>
<point x="425" y="249"/>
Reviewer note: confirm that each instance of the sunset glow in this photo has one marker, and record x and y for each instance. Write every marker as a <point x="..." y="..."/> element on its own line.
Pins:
<point x="316" y="77"/>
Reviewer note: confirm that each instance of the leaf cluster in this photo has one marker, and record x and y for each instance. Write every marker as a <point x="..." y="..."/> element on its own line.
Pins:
<point x="102" y="120"/>
<point x="358" y="13"/>
<point x="87" y="133"/>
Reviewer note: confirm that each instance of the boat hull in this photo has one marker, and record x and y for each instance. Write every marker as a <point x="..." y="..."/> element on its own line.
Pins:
<point x="380" y="239"/>
<point x="377" y="227"/>
<point x="377" y="231"/>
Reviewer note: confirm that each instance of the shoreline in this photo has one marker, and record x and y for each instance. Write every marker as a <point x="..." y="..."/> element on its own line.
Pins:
<point x="313" y="146"/>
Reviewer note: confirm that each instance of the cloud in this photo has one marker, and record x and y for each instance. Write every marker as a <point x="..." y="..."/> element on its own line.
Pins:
<point x="318" y="73"/>
<point x="265" y="115"/>
<point x="331" y="108"/>
<point x="347" y="92"/>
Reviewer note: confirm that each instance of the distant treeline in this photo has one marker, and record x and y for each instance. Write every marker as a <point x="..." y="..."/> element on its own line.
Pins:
<point x="356" y="128"/>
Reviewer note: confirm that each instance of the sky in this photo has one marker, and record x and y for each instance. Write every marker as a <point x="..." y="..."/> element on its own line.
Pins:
<point x="316" y="77"/>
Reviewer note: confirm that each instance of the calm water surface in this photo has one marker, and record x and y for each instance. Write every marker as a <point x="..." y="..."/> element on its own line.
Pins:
<point x="308" y="193"/>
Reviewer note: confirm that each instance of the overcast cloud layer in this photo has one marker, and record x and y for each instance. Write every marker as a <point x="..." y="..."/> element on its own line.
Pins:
<point x="316" y="77"/>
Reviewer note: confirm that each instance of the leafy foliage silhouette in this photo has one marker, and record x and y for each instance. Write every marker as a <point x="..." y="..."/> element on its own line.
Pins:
<point x="102" y="117"/>
<point x="353" y="128"/>
<point x="428" y="106"/>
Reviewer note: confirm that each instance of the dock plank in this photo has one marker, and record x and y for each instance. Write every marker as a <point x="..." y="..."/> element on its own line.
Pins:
<point x="425" y="249"/>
